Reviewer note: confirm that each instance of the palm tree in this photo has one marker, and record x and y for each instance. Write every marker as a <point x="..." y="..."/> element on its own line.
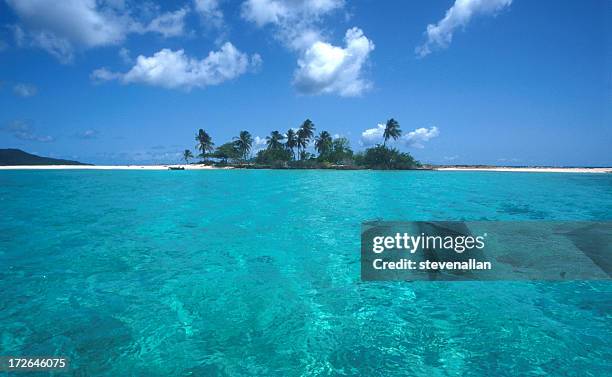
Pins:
<point x="323" y="143"/>
<point x="243" y="143"/>
<point x="304" y="135"/>
<point x="274" y="140"/>
<point x="392" y="130"/>
<point x="187" y="155"/>
<point x="292" y="141"/>
<point x="205" y="143"/>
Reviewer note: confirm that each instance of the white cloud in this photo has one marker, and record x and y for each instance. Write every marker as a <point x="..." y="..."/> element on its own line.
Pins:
<point x="124" y="54"/>
<point x="60" y="27"/>
<point x="209" y="11"/>
<point x="88" y="134"/>
<point x="419" y="136"/>
<point x="61" y="49"/>
<point x="25" y="90"/>
<point x="296" y="22"/>
<point x="322" y="67"/>
<point x="264" y="12"/>
<point x="169" y="24"/>
<point x="23" y="131"/>
<point x="415" y="139"/>
<point x="440" y="35"/>
<point x="259" y="143"/>
<point x="103" y="74"/>
<point x="373" y="136"/>
<point x="78" y="21"/>
<point x="325" y="68"/>
<point x="175" y="70"/>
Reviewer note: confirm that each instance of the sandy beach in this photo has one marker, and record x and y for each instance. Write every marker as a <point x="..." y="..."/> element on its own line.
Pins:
<point x="109" y="167"/>
<point x="529" y="169"/>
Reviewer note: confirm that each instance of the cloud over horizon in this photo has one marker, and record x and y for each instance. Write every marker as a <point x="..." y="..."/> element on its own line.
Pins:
<point x="439" y="36"/>
<point x="412" y="139"/>
<point x="22" y="130"/>
<point x="419" y="136"/>
<point x="175" y="70"/>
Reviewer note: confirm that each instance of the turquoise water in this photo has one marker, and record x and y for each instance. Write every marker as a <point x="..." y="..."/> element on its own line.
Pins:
<point x="256" y="273"/>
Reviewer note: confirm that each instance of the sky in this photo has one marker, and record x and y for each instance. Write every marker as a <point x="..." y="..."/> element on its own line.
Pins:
<point x="502" y="82"/>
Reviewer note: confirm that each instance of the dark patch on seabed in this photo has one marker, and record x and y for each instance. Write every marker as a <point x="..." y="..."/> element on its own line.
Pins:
<point x="594" y="240"/>
<point x="522" y="210"/>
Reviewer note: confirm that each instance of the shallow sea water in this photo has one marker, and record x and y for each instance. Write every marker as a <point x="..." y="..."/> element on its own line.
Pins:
<point x="256" y="273"/>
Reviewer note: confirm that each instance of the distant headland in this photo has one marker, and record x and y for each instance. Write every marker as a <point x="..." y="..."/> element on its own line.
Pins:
<point x="17" y="157"/>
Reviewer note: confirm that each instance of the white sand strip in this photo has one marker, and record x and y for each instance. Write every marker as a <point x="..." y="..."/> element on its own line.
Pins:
<point x="530" y="170"/>
<point x="108" y="167"/>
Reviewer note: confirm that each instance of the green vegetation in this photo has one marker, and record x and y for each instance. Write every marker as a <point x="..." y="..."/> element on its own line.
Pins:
<point x="227" y="152"/>
<point x="187" y="155"/>
<point x="304" y="134"/>
<point x="381" y="157"/>
<point x="323" y="145"/>
<point x="392" y="131"/>
<point x="292" y="141"/>
<point x="205" y="144"/>
<point x="290" y="151"/>
<point x="341" y="153"/>
<point x="243" y="144"/>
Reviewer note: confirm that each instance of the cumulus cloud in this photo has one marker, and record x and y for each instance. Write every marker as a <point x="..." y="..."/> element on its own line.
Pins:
<point x="60" y="27"/>
<point x="325" y="68"/>
<point x="295" y="22"/>
<point x="440" y="35"/>
<point x="259" y="141"/>
<point x="414" y="139"/>
<point x="209" y="11"/>
<point x="169" y="24"/>
<point x="23" y="131"/>
<point x="25" y="90"/>
<point x="264" y="12"/>
<point x="175" y="70"/>
<point x="373" y="136"/>
<point x="419" y="136"/>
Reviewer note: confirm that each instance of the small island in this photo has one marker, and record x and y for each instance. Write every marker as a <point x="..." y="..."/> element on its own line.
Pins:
<point x="289" y="151"/>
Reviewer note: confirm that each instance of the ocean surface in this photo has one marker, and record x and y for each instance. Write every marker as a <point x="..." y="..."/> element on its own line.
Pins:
<point x="256" y="273"/>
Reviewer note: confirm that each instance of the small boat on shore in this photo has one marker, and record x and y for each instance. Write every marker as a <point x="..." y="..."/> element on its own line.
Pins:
<point x="176" y="168"/>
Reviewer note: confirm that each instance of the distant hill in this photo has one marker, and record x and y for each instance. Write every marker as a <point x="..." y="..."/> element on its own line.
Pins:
<point x="19" y="157"/>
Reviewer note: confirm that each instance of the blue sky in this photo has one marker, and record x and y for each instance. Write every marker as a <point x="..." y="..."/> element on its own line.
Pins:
<point x="508" y="82"/>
